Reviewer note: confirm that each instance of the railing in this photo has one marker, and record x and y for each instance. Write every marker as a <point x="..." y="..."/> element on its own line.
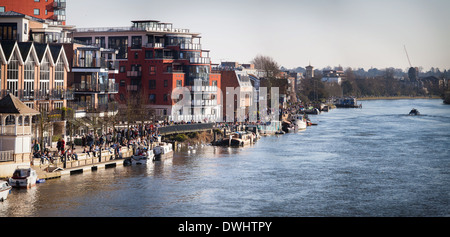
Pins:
<point x="6" y="156"/>
<point x="96" y="87"/>
<point x="200" y="60"/>
<point x="154" y="45"/>
<point x="191" y="46"/>
<point x="185" y="128"/>
<point x="134" y="73"/>
<point x="93" y="108"/>
<point x="127" y="28"/>
<point x="28" y="95"/>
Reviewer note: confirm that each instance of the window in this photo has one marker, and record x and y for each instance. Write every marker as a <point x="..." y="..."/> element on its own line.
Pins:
<point x="179" y="83"/>
<point x="100" y="41"/>
<point x="166" y="83"/>
<point x="29" y="77"/>
<point x="148" y="54"/>
<point x="37" y="0"/>
<point x="152" y="70"/>
<point x="122" y="83"/>
<point x="8" y="31"/>
<point x="152" y="98"/>
<point x="166" y="97"/>
<point x="13" y="75"/>
<point x="59" y="75"/>
<point x="46" y="12"/>
<point x="152" y="84"/>
<point x="36" y="12"/>
<point x="58" y="105"/>
<point x="44" y="76"/>
<point x="122" y="69"/>
<point x="136" y="42"/>
<point x="121" y="44"/>
<point x="2" y="9"/>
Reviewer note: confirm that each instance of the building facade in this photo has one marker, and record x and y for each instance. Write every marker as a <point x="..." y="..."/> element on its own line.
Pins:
<point x="155" y="59"/>
<point x="51" y="10"/>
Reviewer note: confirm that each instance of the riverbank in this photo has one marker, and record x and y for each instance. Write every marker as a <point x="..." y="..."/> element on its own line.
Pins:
<point x="397" y="97"/>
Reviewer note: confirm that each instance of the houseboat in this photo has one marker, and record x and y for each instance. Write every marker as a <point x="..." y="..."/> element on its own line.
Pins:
<point x="5" y="188"/>
<point x="347" y="102"/>
<point x="239" y="139"/>
<point x="23" y="178"/>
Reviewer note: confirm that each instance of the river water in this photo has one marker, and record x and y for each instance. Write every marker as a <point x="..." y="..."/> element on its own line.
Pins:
<point x="374" y="161"/>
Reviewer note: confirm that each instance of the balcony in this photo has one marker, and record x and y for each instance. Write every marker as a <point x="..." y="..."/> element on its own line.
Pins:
<point x="134" y="73"/>
<point x="59" y="17"/>
<point x="59" y="4"/>
<point x="197" y="89"/>
<point x="154" y="45"/>
<point x="191" y="46"/>
<point x="199" y="60"/>
<point x="109" y="88"/>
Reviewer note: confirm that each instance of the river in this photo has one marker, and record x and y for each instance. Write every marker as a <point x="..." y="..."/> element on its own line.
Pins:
<point x="374" y="161"/>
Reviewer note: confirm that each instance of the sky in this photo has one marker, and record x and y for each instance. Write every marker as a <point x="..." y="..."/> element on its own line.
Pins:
<point x="295" y="33"/>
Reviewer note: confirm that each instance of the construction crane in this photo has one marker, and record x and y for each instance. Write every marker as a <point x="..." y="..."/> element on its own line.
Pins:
<point x="407" y="56"/>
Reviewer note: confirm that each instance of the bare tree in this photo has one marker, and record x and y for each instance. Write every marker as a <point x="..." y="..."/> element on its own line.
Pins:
<point x="267" y="64"/>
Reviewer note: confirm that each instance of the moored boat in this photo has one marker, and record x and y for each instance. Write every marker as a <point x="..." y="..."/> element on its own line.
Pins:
<point x="23" y="178"/>
<point x="239" y="139"/>
<point x="142" y="156"/>
<point x="5" y="188"/>
<point x="347" y="102"/>
<point x="162" y="150"/>
<point x="300" y="121"/>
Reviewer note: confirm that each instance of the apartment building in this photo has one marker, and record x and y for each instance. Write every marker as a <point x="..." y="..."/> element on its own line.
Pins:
<point x="154" y="59"/>
<point x="53" y="11"/>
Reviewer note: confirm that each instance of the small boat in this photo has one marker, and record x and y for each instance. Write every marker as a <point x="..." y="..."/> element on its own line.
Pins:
<point x="142" y="156"/>
<point x="23" y="178"/>
<point x="414" y="112"/>
<point x="300" y="121"/>
<point x="162" y="150"/>
<point x="5" y="189"/>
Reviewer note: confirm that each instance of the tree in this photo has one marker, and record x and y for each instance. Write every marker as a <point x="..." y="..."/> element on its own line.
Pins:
<point x="268" y="65"/>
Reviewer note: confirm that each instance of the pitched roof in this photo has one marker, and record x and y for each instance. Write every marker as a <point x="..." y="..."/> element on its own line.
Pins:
<point x="12" y="105"/>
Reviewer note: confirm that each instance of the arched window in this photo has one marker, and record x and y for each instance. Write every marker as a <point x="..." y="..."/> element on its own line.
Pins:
<point x="10" y="120"/>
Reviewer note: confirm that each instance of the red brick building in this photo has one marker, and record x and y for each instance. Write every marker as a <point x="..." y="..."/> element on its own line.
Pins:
<point x="54" y="10"/>
<point x="154" y="59"/>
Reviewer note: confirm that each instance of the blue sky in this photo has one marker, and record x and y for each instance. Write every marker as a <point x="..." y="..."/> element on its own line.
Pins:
<point x="350" y="33"/>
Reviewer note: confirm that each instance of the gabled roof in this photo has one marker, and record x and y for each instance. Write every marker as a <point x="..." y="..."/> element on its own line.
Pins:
<point x="25" y="49"/>
<point x="2" y="55"/>
<point x="58" y="52"/>
<point x="10" y="47"/>
<point x="12" y="105"/>
<point x="43" y="50"/>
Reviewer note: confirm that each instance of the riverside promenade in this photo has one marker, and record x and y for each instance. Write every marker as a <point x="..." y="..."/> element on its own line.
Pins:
<point x="85" y="162"/>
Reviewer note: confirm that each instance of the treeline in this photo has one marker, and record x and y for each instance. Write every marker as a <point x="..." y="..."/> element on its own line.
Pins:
<point x="389" y="82"/>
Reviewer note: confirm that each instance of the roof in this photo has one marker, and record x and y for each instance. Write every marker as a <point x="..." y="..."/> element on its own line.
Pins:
<point x="12" y="105"/>
<point x="14" y="14"/>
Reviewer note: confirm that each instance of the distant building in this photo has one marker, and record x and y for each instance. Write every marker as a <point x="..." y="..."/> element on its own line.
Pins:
<point x="309" y="72"/>
<point x="332" y="76"/>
